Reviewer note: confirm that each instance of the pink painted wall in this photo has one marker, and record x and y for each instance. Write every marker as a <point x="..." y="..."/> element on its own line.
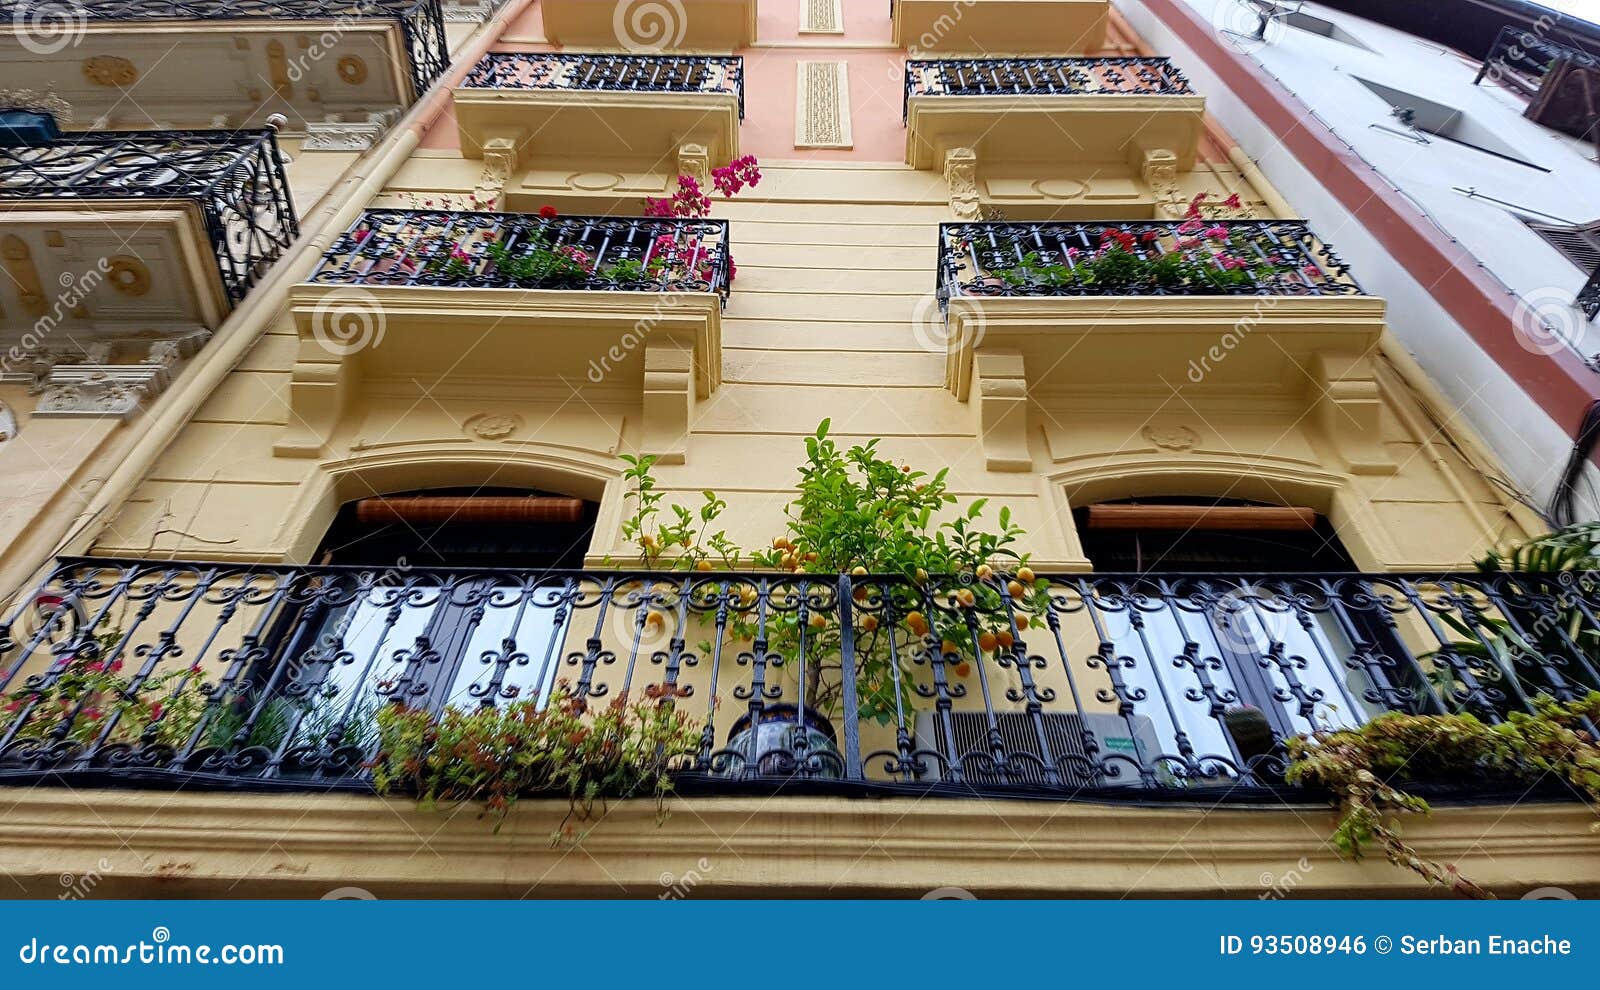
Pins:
<point x="876" y="81"/>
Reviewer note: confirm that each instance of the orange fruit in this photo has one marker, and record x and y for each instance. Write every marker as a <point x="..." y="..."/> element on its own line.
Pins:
<point x="868" y="623"/>
<point x="818" y="620"/>
<point x="966" y="598"/>
<point x="704" y="565"/>
<point x="916" y="623"/>
<point x="1022" y="621"/>
<point x="963" y="669"/>
<point x="987" y="642"/>
<point x="1016" y="589"/>
<point x="1025" y="575"/>
<point x="858" y="571"/>
<point x="1005" y="639"/>
<point x="985" y="572"/>
<point x="948" y="647"/>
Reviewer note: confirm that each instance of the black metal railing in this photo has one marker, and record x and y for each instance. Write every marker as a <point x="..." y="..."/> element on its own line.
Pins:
<point x="236" y="178"/>
<point x="1103" y="684"/>
<point x="1520" y="51"/>
<point x="1120" y="75"/>
<point x="527" y="251"/>
<point x="1589" y="296"/>
<point x="421" y="21"/>
<point x="611" y="73"/>
<point x="1189" y="257"/>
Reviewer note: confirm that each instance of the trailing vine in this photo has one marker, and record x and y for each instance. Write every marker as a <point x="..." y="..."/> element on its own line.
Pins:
<point x="1367" y="768"/>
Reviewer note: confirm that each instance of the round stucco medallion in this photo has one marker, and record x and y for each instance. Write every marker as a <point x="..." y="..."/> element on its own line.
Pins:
<point x="594" y="181"/>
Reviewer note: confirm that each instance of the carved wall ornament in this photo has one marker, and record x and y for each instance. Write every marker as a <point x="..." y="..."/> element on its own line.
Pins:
<point x="109" y="70"/>
<point x="500" y="155"/>
<point x="1159" y="170"/>
<point x="961" y="174"/>
<point x="128" y="275"/>
<point x="493" y="426"/>
<point x="1177" y="437"/>
<point x="352" y="69"/>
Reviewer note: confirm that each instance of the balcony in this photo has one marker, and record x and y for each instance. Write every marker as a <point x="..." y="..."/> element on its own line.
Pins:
<point x="310" y="60"/>
<point x="1035" y="309"/>
<point x="183" y="222"/>
<point x="617" y="113"/>
<point x="618" y="302"/>
<point x="684" y="25"/>
<point x="1042" y="111"/>
<point x="1557" y="80"/>
<point x="1105" y="686"/>
<point x="1000" y="26"/>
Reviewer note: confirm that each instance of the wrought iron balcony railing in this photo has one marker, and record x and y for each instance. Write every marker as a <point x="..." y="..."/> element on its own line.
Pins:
<point x="1192" y="258"/>
<point x="1121" y="76"/>
<point x="421" y="21"/>
<point x="236" y="178"/>
<point x="1521" y="51"/>
<point x="1106" y="685"/>
<point x="610" y="73"/>
<point x="526" y="251"/>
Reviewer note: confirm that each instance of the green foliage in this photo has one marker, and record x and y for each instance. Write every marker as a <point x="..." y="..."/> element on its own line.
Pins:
<point x="92" y="692"/>
<point x="673" y="537"/>
<point x="1497" y="646"/>
<point x="494" y="755"/>
<point x="1365" y="767"/>
<point x="1115" y="268"/>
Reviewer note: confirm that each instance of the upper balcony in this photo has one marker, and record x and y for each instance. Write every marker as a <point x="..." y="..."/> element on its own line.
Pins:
<point x="1557" y="80"/>
<point x="146" y="228"/>
<point x="1039" y="309"/>
<point x="626" y="109"/>
<point x="136" y="62"/>
<point x="682" y="25"/>
<point x="625" y="302"/>
<point x="1039" y="111"/>
<point x="1000" y="27"/>
<point x="1106" y="686"/>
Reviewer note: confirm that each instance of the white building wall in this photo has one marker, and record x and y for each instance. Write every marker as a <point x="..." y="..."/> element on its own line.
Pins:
<point x="1323" y="73"/>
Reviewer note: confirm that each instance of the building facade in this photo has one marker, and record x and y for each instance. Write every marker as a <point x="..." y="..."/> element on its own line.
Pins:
<point x="422" y="441"/>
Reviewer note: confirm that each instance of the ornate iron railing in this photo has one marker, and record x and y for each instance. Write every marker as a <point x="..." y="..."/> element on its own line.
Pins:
<point x="1520" y="50"/>
<point x="1589" y="295"/>
<point x="1122" y="75"/>
<point x="1108" y="685"/>
<point x="526" y="251"/>
<point x="611" y="73"/>
<point x="421" y="21"/>
<point x="1191" y="257"/>
<point x="236" y="177"/>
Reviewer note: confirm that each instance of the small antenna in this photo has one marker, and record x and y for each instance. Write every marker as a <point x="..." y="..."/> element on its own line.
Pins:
<point x="1266" y="12"/>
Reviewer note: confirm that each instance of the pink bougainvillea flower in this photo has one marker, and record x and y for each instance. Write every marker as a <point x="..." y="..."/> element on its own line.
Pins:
<point x="1217" y="231"/>
<point x="1232" y="202"/>
<point x="1191" y="226"/>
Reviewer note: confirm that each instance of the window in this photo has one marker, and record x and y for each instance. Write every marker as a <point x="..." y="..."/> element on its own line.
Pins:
<point x="1579" y="245"/>
<point x="1445" y="122"/>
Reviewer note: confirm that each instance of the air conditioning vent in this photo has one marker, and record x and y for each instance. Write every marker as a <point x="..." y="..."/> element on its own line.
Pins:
<point x="1063" y="732"/>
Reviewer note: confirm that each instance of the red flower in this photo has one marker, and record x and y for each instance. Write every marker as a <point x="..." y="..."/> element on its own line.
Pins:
<point x="548" y="212"/>
<point x="1232" y="202"/>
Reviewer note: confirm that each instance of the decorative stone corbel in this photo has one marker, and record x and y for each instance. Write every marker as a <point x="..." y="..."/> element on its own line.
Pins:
<point x="338" y="134"/>
<point x="668" y="400"/>
<point x="1158" y="167"/>
<point x="1000" y="391"/>
<point x="317" y="388"/>
<point x="961" y="174"/>
<point x="468" y="11"/>
<point x="695" y="160"/>
<point x="1350" y="408"/>
<point x="501" y="152"/>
